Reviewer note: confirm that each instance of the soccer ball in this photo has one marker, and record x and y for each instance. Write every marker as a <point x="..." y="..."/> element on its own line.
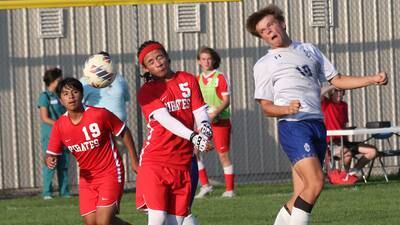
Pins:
<point x="98" y="71"/>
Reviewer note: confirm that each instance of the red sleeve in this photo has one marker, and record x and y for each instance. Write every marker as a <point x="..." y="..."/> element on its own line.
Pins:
<point x="149" y="100"/>
<point x="115" y="124"/>
<point x="55" y="145"/>
<point x="223" y="86"/>
<point x="197" y="98"/>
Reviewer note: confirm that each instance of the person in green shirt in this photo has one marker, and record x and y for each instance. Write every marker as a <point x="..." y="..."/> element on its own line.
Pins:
<point x="50" y="109"/>
<point x="214" y="87"/>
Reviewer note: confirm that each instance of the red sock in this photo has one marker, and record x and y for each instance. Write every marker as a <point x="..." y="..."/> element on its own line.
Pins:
<point x="203" y="177"/>
<point x="229" y="181"/>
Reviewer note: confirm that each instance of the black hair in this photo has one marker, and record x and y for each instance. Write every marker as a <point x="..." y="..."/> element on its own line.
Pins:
<point x="104" y="53"/>
<point x="51" y="75"/>
<point x="214" y="55"/>
<point x="69" y="82"/>
<point x="254" y="18"/>
<point x="147" y="76"/>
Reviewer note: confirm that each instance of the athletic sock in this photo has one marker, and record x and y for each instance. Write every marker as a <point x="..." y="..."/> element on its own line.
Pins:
<point x="229" y="177"/>
<point x="301" y="212"/>
<point x="283" y="217"/>
<point x="202" y="173"/>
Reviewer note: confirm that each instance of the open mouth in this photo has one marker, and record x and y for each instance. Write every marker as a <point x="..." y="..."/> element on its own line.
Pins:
<point x="273" y="37"/>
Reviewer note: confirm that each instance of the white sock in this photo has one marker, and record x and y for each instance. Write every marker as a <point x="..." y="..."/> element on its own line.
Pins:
<point x="228" y="169"/>
<point x="299" y="217"/>
<point x="157" y="217"/>
<point x="200" y="164"/>
<point x="174" y="219"/>
<point x="283" y="217"/>
<point x="190" y="220"/>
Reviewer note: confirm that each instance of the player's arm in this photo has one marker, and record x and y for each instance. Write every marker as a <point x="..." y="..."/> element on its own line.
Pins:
<point x="130" y="145"/>
<point x="351" y="82"/>
<point x="225" y="104"/>
<point x="271" y="110"/>
<point x="176" y="127"/>
<point x="202" y="121"/>
<point x="44" y="116"/>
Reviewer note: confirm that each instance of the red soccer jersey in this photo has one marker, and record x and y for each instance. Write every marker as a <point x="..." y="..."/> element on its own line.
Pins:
<point x="180" y="95"/>
<point x="91" y="141"/>
<point x="335" y="115"/>
<point x="221" y="88"/>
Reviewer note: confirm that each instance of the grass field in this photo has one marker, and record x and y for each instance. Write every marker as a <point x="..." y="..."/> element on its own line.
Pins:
<point x="374" y="203"/>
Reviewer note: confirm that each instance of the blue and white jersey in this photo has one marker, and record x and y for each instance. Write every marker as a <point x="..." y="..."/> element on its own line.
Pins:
<point x="293" y="73"/>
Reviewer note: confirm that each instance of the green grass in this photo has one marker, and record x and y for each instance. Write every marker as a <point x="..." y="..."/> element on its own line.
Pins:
<point x="374" y="203"/>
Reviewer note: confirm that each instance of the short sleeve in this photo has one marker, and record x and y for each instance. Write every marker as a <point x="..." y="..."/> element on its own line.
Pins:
<point x="113" y="122"/>
<point x="43" y="100"/>
<point x="328" y="71"/>
<point x="55" y="146"/>
<point x="223" y="86"/>
<point x="263" y="82"/>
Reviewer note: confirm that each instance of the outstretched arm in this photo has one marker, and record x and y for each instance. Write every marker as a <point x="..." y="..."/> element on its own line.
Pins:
<point x="272" y="110"/>
<point x="130" y="145"/>
<point x="351" y="82"/>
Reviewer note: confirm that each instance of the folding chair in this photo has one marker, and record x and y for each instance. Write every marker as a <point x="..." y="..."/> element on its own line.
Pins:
<point x="387" y="149"/>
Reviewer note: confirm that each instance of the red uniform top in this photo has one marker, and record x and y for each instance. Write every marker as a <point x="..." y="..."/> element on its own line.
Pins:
<point x="91" y="141"/>
<point x="180" y="96"/>
<point x="335" y="115"/>
<point x="221" y="88"/>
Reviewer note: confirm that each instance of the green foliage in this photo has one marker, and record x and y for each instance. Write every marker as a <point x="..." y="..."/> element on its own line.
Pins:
<point x="374" y="203"/>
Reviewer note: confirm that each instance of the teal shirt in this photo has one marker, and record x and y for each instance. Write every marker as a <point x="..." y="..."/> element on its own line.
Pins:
<point x="55" y="108"/>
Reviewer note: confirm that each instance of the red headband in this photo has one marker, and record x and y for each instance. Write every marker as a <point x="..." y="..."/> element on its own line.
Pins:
<point x="147" y="49"/>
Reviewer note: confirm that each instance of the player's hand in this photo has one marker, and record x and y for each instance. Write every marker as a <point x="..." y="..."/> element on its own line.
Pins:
<point x="206" y="129"/>
<point x="293" y="107"/>
<point x="380" y="78"/>
<point x="200" y="142"/>
<point x="135" y="166"/>
<point x="51" y="161"/>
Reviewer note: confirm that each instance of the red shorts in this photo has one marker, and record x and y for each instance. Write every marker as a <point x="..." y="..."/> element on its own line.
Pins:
<point x="163" y="188"/>
<point x="222" y="135"/>
<point x="99" y="192"/>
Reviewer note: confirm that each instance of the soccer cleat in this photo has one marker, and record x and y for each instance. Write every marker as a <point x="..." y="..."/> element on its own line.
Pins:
<point x="228" y="194"/>
<point x="190" y="220"/>
<point x="47" y="197"/>
<point x="205" y="190"/>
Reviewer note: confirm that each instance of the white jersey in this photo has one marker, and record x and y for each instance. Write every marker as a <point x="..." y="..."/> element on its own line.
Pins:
<point x="293" y="73"/>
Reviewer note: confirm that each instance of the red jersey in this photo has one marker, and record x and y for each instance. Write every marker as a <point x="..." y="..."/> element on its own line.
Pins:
<point x="221" y="87"/>
<point x="180" y="95"/>
<point x="335" y="115"/>
<point x="91" y="141"/>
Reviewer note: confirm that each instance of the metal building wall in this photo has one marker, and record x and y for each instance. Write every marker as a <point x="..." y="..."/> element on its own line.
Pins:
<point x="24" y="58"/>
<point x="363" y="40"/>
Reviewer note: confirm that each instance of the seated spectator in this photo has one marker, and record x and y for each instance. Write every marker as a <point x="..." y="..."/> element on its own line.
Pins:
<point x="335" y="112"/>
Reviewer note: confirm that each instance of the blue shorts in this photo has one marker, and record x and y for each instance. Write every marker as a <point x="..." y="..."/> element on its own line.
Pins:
<point x="303" y="139"/>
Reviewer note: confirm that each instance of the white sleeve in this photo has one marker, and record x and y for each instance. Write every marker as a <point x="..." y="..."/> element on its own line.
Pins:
<point x="170" y="123"/>
<point x="201" y="115"/>
<point x="263" y="82"/>
<point x="327" y="68"/>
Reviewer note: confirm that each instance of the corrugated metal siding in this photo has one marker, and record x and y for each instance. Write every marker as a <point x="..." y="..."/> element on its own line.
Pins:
<point x="364" y="39"/>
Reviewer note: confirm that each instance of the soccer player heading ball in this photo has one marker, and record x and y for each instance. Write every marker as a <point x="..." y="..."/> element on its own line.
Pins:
<point x="171" y="103"/>
<point x="287" y="86"/>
